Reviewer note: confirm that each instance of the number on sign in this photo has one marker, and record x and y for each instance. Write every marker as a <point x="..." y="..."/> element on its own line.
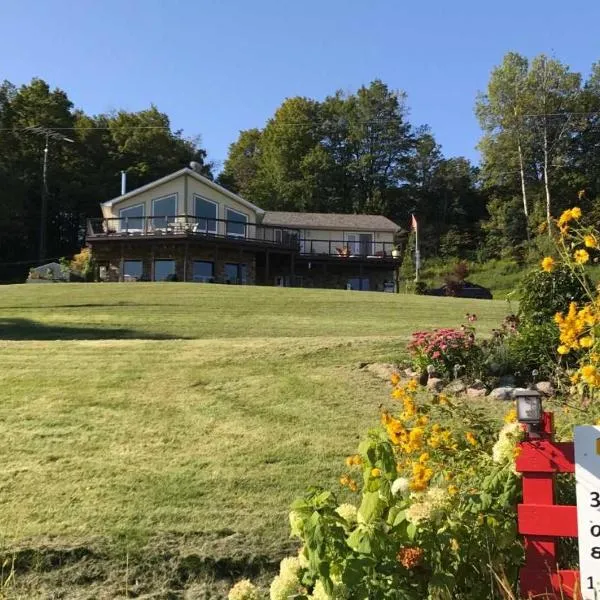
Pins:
<point x="596" y="552"/>
<point x="595" y="500"/>
<point x="590" y="583"/>
<point x="595" y="530"/>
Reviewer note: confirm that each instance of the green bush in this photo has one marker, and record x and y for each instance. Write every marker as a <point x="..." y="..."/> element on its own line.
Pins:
<point x="533" y="347"/>
<point x="544" y="294"/>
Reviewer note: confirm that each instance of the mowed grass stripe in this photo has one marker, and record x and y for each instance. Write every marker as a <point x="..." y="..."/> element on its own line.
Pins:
<point x="192" y="311"/>
<point x="230" y="402"/>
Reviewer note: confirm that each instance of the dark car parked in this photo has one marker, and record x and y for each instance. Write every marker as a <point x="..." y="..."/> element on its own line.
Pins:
<point x="466" y="290"/>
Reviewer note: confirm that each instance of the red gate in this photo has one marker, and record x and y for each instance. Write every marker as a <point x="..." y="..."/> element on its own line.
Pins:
<point x="541" y="521"/>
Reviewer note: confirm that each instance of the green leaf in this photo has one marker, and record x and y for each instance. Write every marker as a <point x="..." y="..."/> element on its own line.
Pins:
<point x="411" y="531"/>
<point x="360" y="540"/>
<point x="371" y="507"/>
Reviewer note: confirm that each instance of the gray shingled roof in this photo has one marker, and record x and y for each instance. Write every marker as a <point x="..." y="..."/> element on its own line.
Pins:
<point x="298" y="220"/>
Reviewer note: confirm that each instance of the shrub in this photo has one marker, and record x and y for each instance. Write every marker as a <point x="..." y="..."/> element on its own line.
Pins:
<point x="444" y="349"/>
<point x="533" y="347"/>
<point x="543" y="294"/>
<point x="431" y="499"/>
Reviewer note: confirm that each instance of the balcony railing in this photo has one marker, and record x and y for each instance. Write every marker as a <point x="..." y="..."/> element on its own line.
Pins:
<point x="235" y="230"/>
<point x="186" y="225"/>
<point x="345" y="249"/>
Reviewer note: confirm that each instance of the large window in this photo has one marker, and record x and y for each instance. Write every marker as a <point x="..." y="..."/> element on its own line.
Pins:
<point x="164" y="270"/>
<point x="236" y="223"/>
<point x="132" y="218"/>
<point x="163" y="211"/>
<point x="132" y="270"/>
<point x="236" y="273"/>
<point x="207" y="213"/>
<point x="203" y="271"/>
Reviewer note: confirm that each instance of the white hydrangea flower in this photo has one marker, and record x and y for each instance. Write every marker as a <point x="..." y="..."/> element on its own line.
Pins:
<point x="340" y="591"/>
<point x="437" y="497"/>
<point x="319" y="592"/>
<point x="504" y="449"/>
<point x="400" y="486"/>
<point x="419" y="511"/>
<point x="244" y="590"/>
<point x="287" y="583"/>
<point x="348" y="512"/>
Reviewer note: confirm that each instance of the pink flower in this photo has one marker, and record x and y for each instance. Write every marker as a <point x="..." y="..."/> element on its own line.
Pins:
<point x="436" y="354"/>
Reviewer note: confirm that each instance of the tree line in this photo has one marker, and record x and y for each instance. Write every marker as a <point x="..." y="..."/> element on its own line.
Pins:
<point x="350" y="152"/>
<point x="80" y="174"/>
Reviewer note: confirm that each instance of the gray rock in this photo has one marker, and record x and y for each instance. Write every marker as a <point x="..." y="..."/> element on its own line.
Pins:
<point x="455" y="387"/>
<point x="411" y="373"/>
<point x="435" y="384"/>
<point x="502" y="393"/>
<point x="476" y="392"/>
<point x="382" y="370"/>
<point x="477" y="385"/>
<point x="545" y="387"/>
<point x="507" y="381"/>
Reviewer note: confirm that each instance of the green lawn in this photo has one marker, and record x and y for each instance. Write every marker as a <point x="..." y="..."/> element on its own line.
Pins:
<point x="187" y="416"/>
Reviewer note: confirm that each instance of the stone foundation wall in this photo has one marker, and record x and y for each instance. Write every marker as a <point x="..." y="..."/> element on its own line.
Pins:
<point x="109" y="256"/>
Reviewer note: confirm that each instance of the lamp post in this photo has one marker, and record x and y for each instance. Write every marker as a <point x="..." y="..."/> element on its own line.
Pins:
<point x="48" y="134"/>
<point x="529" y="409"/>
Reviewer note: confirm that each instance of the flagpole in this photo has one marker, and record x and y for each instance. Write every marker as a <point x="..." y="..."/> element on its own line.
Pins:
<point x="417" y="252"/>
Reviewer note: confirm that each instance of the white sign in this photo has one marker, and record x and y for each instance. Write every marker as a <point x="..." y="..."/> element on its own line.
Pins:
<point x="587" y="477"/>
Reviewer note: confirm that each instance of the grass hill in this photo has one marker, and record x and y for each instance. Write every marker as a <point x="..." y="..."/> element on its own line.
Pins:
<point x="153" y="435"/>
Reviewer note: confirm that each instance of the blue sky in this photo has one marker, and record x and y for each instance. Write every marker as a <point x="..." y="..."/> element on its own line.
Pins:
<point x="216" y="67"/>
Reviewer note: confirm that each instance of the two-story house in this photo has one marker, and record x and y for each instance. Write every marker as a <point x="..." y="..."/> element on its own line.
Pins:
<point x="184" y="227"/>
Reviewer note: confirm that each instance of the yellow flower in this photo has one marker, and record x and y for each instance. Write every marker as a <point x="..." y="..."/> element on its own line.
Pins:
<point x="375" y="472"/>
<point x="443" y="400"/>
<point x="398" y="393"/>
<point x="422" y="420"/>
<point x="589" y="374"/>
<point x="581" y="256"/>
<point x="452" y="490"/>
<point x="576" y="212"/>
<point x="586" y="342"/>
<point x="471" y="438"/>
<point x="424" y="457"/>
<point x="590" y="241"/>
<point x="548" y="264"/>
<point x="412" y="385"/>
<point x="562" y="349"/>
<point x="511" y="416"/>
<point x="395" y="379"/>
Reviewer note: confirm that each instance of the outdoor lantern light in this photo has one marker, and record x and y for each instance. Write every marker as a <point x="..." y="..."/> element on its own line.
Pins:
<point x="529" y="407"/>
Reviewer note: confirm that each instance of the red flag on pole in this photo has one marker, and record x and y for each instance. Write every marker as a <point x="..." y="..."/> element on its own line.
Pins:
<point x="413" y="223"/>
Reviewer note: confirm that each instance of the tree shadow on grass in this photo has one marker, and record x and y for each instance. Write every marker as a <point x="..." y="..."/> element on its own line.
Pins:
<point x="26" y="329"/>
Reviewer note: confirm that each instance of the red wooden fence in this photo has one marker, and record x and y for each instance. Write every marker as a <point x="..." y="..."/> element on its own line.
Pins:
<point x="541" y="521"/>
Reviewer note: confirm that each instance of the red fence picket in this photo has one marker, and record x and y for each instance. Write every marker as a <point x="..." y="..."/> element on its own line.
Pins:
<point x="541" y="520"/>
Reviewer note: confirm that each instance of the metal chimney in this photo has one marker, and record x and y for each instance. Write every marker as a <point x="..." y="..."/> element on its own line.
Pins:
<point x="123" y="183"/>
<point x="196" y="166"/>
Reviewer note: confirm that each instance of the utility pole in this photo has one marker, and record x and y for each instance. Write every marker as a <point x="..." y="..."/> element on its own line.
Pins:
<point x="47" y="134"/>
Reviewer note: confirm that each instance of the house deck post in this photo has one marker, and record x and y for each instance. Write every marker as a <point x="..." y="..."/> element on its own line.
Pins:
<point x="267" y="275"/>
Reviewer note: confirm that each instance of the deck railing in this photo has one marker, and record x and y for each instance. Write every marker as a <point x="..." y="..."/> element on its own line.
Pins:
<point x="231" y="229"/>
<point x="237" y="230"/>
<point x="347" y="249"/>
